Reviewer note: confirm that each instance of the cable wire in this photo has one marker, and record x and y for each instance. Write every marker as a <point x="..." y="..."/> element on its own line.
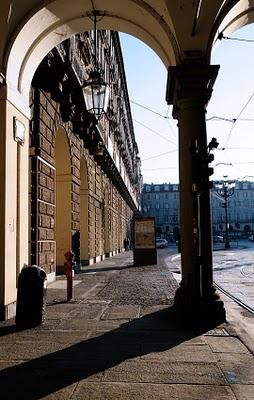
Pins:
<point x="216" y="118"/>
<point x="149" y="109"/>
<point x="235" y="119"/>
<point x="221" y="36"/>
<point x="156" y="133"/>
<point x="159" y="155"/>
<point x="157" y="169"/>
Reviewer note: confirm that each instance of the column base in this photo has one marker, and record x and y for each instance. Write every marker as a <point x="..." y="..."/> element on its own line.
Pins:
<point x="8" y="311"/>
<point x="205" y="312"/>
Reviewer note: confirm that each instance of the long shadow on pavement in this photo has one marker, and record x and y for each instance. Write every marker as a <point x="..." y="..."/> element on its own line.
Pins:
<point x="36" y="378"/>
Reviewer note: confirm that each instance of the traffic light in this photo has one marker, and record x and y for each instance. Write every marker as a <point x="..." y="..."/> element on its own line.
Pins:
<point x="200" y="166"/>
<point x="205" y="170"/>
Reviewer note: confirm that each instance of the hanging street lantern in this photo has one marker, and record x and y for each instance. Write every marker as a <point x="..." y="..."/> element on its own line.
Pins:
<point x="96" y="94"/>
<point x="95" y="89"/>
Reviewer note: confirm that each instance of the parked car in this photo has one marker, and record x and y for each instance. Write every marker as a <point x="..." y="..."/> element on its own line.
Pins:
<point x="161" y="243"/>
<point x="217" y="239"/>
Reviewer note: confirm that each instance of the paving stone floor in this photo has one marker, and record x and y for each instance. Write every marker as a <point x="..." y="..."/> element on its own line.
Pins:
<point x="119" y="339"/>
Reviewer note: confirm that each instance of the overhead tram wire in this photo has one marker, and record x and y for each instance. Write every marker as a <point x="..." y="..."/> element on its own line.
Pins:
<point x="235" y="119"/>
<point x="236" y="148"/>
<point x="155" y="132"/>
<point x="158" y="155"/>
<point x="157" y="169"/>
<point x="221" y="36"/>
<point x="149" y="109"/>
<point x="218" y="118"/>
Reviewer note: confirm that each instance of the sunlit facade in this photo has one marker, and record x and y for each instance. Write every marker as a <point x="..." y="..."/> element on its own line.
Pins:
<point x="162" y="202"/>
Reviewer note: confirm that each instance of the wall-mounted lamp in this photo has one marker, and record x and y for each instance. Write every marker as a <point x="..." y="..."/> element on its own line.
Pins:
<point x="95" y="89"/>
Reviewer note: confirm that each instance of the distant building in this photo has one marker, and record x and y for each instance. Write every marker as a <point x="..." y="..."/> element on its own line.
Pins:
<point x="240" y="209"/>
<point x="162" y="202"/>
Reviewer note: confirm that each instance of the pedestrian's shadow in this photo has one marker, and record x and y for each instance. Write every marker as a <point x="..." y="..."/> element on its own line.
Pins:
<point x="91" y="358"/>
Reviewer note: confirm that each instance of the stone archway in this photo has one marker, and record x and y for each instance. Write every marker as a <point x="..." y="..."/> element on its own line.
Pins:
<point x="60" y="19"/>
<point x="29" y="31"/>
<point x="63" y="226"/>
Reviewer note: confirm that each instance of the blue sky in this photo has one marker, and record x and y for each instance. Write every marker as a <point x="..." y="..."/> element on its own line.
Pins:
<point x="157" y="137"/>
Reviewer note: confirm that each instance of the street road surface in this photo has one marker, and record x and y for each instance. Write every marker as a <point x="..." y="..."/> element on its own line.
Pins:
<point x="233" y="269"/>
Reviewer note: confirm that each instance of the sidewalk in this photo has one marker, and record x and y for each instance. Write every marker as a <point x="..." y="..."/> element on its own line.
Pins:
<point x="118" y="339"/>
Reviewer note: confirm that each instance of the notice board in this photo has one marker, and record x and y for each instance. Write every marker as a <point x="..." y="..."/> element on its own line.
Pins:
<point x="144" y="241"/>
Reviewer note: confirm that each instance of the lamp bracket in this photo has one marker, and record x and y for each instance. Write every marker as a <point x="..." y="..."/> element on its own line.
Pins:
<point x="94" y="14"/>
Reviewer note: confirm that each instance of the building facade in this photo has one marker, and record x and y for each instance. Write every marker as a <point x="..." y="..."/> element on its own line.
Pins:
<point x="240" y="209"/>
<point x="84" y="176"/>
<point x="84" y="179"/>
<point x="162" y="201"/>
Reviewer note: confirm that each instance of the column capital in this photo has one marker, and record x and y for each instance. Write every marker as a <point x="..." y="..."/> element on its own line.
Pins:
<point x="193" y="82"/>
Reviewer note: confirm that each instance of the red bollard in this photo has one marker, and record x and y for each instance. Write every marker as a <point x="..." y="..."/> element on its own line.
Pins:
<point x="68" y="273"/>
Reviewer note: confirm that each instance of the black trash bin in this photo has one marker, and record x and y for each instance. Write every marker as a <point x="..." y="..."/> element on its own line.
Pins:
<point x="31" y="297"/>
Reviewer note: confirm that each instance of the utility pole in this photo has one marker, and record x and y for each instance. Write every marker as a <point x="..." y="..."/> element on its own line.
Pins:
<point x="225" y="189"/>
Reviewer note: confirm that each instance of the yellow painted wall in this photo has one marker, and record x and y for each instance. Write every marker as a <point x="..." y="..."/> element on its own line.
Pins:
<point x="13" y="201"/>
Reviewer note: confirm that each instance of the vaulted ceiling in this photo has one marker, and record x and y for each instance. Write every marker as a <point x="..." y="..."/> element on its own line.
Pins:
<point x="178" y="31"/>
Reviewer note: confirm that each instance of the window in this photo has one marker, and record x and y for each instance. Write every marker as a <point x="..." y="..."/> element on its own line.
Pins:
<point x="148" y="188"/>
<point x="157" y="188"/>
<point x="166" y="205"/>
<point x="166" y="187"/>
<point x="157" y="206"/>
<point x="157" y="196"/>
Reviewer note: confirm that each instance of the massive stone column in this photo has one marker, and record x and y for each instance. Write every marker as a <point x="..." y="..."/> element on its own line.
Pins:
<point x="189" y="89"/>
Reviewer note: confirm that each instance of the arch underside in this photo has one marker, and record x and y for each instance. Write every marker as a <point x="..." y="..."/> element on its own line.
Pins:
<point x="165" y="27"/>
<point x="57" y="22"/>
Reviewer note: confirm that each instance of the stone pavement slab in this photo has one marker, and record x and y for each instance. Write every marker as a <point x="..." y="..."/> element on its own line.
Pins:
<point x="161" y="372"/>
<point x="121" y="312"/>
<point x="226" y="344"/>
<point x="243" y="392"/>
<point x="119" y="339"/>
<point x="237" y="368"/>
<point x="140" y="391"/>
<point x="182" y="353"/>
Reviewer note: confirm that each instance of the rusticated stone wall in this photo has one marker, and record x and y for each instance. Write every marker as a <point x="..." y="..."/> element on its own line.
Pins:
<point x="108" y="214"/>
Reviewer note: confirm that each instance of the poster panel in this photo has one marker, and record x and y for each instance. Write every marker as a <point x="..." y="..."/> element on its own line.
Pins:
<point x="144" y="233"/>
